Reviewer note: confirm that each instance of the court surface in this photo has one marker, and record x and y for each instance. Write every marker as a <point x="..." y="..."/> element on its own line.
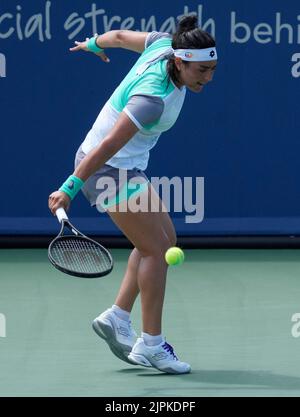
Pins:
<point x="227" y="312"/>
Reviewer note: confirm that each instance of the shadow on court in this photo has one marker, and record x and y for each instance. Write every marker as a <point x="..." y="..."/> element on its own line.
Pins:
<point x="230" y="377"/>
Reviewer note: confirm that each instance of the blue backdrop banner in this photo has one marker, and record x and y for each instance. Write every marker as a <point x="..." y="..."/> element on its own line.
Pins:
<point x="237" y="142"/>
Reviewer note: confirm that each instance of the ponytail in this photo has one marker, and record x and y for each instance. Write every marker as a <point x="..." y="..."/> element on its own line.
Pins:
<point x="187" y="24"/>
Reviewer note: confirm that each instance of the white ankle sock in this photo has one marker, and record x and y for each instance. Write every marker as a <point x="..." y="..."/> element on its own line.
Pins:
<point x="152" y="340"/>
<point x="122" y="314"/>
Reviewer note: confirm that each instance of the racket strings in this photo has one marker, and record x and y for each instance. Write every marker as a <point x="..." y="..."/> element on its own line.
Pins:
<point x="80" y="255"/>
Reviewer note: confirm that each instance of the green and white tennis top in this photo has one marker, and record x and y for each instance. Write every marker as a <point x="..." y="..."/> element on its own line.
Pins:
<point x="149" y="98"/>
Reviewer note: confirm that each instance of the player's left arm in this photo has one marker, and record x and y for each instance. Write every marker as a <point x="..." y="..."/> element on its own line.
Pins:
<point x="126" y="39"/>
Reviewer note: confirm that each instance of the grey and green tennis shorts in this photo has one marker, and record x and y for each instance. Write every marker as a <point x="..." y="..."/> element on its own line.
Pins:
<point x="110" y="186"/>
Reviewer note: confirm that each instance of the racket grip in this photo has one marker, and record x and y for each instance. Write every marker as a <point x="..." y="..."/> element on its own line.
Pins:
<point x="61" y="214"/>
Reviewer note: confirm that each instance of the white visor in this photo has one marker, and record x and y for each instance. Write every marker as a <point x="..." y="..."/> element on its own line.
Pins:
<point x="196" y="55"/>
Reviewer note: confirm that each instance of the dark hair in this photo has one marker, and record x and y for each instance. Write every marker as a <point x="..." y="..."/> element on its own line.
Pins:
<point x="188" y="36"/>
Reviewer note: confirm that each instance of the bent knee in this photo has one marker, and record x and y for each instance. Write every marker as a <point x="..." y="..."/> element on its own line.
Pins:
<point x="157" y="248"/>
<point x="172" y="240"/>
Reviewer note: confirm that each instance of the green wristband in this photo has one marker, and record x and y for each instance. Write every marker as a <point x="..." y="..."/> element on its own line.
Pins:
<point x="93" y="47"/>
<point x="72" y="186"/>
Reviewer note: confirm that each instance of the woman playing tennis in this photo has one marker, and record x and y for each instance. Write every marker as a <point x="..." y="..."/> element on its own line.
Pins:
<point x="145" y="104"/>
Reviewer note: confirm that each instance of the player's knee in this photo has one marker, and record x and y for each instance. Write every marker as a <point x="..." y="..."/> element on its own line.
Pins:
<point x="172" y="240"/>
<point x="156" y="248"/>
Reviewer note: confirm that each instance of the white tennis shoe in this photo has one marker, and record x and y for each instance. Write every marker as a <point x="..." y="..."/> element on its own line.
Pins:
<point x="161" y="357"/>
<point x="117" y="333"/>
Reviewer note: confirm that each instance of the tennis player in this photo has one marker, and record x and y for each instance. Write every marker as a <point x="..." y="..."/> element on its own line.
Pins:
<point x="145" y="104"/>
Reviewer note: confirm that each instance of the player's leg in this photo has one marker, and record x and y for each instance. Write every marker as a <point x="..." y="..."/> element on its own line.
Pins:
<point x="148" y="232"/>
<point x="129" y="288"/>
<point x="115" y="329"/>
<point x="148" y="258"/>
<point x="145" y="230"/>
<point x="152" y="234"/>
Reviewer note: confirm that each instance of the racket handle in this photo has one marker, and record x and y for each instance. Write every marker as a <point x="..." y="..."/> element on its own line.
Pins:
<point x="61" y="214"/>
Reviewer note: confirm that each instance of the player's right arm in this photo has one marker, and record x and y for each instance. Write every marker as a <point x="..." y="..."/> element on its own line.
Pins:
<point x="120" y="134"/>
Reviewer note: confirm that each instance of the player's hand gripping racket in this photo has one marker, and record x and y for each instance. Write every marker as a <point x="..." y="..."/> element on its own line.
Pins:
<point x="76" y="254"/>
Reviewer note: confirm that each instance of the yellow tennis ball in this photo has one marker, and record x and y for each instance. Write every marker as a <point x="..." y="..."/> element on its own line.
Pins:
<point x="174" y="256"/>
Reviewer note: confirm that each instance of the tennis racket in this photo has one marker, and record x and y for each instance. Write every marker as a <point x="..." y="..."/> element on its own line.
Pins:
<point x="76" y="254"/>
